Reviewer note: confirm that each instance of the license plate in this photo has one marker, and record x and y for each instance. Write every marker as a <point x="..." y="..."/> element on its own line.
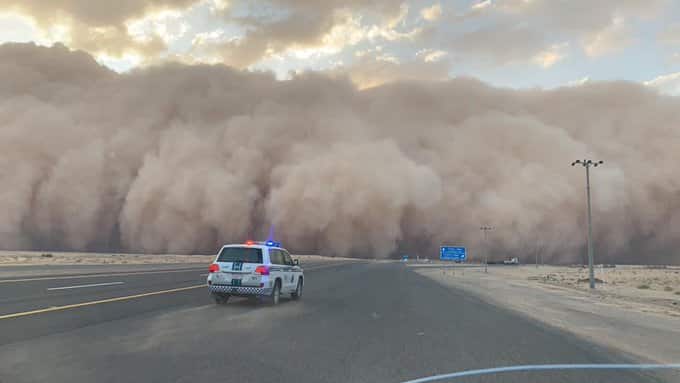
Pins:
<point x="236" y="282"/>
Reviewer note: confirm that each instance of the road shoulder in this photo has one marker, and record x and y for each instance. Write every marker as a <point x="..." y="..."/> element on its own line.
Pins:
<point x="646" y="336"/>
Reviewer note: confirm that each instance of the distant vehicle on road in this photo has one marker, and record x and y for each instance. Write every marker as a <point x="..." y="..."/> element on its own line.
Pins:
<point x="257" y="270"/>
<point x="511" y="261"/>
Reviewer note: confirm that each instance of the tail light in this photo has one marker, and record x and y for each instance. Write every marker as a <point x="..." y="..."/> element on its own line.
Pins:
<point x="262" y="270"/>
<point x="213" y="268"/>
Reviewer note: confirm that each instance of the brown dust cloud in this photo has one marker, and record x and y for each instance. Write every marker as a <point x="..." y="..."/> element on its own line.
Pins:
<point x="180" y="159"/>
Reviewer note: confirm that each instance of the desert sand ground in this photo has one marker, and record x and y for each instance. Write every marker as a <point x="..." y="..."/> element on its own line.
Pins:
<point x="8" y="258"/>
<point x="647" y="285"/>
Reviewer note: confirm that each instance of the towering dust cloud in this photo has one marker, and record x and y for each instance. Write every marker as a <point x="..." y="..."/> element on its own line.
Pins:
<point x="182" y="158"/>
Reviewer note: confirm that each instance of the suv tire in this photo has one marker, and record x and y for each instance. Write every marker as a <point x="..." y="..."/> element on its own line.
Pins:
<point x="297" y="294"/>
<point x="275" y="297"/>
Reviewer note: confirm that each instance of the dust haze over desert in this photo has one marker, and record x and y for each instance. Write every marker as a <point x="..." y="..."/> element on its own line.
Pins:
<point x="182" y="158"/>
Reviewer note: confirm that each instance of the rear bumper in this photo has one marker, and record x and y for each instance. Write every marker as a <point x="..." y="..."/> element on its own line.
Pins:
<point x="239" y="290"/>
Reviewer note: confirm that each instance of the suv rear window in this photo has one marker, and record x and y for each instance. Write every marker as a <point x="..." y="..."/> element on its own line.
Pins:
<point x="240" y="254"/>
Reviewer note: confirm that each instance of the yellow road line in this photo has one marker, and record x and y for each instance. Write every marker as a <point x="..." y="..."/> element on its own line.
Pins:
<point x="91" y="303"/>
<point x="79" y="276"/>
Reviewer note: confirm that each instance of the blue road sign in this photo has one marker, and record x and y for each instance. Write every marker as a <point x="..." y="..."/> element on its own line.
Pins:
<point x="452" y="253"/>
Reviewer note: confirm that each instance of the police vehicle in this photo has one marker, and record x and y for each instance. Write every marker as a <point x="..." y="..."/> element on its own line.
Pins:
<point x="255" y="269"/>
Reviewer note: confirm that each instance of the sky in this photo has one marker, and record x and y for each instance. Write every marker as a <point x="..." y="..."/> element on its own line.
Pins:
<point x="506" y="43"/>
<point x="354" y="127"/>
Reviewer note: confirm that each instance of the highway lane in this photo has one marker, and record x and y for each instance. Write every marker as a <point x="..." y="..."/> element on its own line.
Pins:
<point x="26" y="292"/>
<point x="31" y="293"/>
<point x="357" y="322"/>
<point x="156" y="289"/>
<point x="18" y="271"/>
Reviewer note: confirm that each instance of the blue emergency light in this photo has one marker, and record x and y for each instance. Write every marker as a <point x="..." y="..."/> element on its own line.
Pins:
<point x="269" y="243"/>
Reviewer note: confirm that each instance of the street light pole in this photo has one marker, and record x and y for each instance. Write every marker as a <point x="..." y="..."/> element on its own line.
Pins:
<point x="587" y="164"/>
<point x="536" y="254"/>
<point x="485" y="229"/>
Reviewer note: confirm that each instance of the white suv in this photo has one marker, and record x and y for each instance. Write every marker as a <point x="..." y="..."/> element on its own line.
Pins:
<point x="254" y="269"/>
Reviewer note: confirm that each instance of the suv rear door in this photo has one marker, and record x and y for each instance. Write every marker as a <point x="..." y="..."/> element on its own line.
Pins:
<point x="292" y="274"/>
<point x="280" y="268"/>
<point x="237" y="266"/>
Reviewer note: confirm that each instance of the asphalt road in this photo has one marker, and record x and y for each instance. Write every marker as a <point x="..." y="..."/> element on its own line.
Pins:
<point x="356" y="322"/>
<point x="9" y="272"/>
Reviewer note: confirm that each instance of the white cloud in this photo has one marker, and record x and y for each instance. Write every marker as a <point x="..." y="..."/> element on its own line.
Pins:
<point x="351" y="32"/>
<point x="208" y="37"/>
<point x="218" y="5"/>
<point x="429" y="55"/>
<point x="431" y="13"/>
<point x="17" y="28"/>
<point x="399" y="18"/>
<point x="482" y="5"/>
<point x="388" y="34"/>
<point x="579" y="82"/>
<point x="168" y="25"/>
<point x="58" y="33"/>
<point x="667" y="84"/>
<point x="344" y="34"/>
<point x="120" y="64"/>
<point x="490" y="32"/>
<point x="387" y="57"/>
<point x="549" y="57"/>
<point x="610" y="39"/>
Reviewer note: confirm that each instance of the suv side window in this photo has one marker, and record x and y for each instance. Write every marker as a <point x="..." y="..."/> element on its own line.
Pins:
<point x="276" y="256"/>
<point x="287" y="258"/>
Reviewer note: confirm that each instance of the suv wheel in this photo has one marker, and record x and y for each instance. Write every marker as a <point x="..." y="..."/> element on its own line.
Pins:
<point x="276" y="293"/>
<point x="220" y="299"/>
<point x="298" y="291"/>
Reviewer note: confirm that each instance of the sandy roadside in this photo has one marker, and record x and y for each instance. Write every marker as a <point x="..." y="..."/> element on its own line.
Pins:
<point x="642" y="322"/>
<point x="647" y="289"/>
<point x="16" y="258"/>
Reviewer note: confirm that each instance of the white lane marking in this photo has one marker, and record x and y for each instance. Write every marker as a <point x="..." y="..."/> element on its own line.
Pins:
<point x="82" y="276"/>
<point x="544" y="367"/>
<point x="83" y="304"/>
<point x="82" y="286"/>
<point x="203" y="275"/>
